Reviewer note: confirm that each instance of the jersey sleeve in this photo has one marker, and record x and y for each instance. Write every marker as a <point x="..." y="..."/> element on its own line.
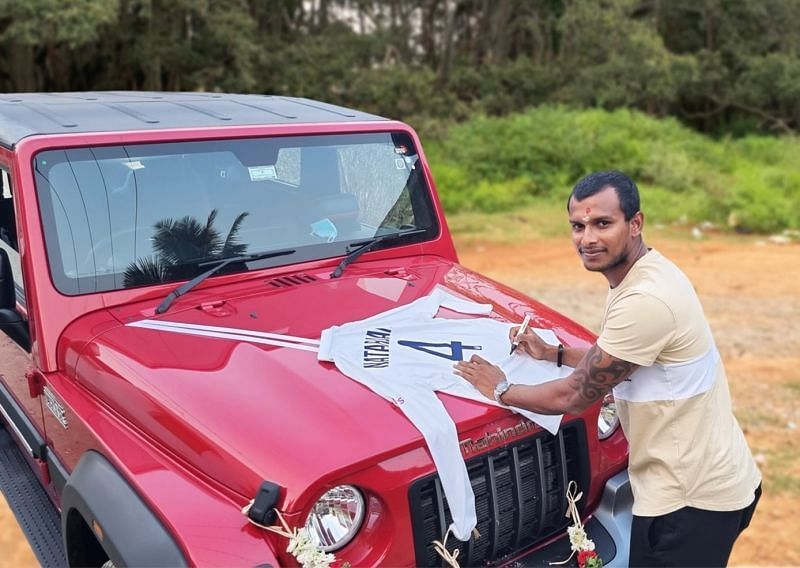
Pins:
<point x="447" y="300"/>
<point x="325" y="352"/>
<point x="637" y="328"/>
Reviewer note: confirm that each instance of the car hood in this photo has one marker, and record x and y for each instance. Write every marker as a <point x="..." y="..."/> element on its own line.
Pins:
<point x="240" y="403"/>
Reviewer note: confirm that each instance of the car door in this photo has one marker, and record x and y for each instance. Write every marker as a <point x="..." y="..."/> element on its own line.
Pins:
<point x="19" y="406"/>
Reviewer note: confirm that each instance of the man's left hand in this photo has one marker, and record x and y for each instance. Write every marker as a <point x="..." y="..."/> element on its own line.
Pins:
<point x="483" y="375"/>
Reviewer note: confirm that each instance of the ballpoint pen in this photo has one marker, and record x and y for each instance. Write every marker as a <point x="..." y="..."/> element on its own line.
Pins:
<point x="520" y="331"/>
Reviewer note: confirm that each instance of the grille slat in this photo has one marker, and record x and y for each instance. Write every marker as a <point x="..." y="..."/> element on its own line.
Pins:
<point x="519" y="498"/>
<point x="518" y="501"/>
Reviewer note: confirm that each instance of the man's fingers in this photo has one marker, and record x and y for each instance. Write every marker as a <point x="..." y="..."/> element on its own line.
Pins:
<point x="464" y="369"/>
<point x="469" y="369"/>
<point x="525" y="346"/>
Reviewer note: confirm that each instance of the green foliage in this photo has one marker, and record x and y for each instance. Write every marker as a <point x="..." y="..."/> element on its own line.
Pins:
<point x="73" y="23"/>
<point x="722" y="67"/>
<point x="763" y="198"/>
<point x="322" y="66"/>
<point x="493" y="164"/>
<point x="226" y="38"/>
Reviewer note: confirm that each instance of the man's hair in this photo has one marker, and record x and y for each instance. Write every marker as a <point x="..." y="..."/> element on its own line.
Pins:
<point x="627" y="192"/>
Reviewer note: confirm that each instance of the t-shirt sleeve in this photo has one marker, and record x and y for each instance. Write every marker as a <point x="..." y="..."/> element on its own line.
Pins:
<point x="637" y="328"/>
<point x="447" y="300"/>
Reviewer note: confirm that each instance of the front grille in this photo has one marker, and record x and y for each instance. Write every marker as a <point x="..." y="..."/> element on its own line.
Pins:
<point x="519" y="497"/>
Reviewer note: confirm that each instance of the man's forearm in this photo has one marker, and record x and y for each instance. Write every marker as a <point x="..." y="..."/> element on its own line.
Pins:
<point x="552" y="397"/>
<point x="593" y="376"/>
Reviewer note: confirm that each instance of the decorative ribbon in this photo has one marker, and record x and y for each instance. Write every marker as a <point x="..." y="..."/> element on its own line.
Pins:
<point x="301" y="546"/>
<point x="441" y="549"/>
<point x="451" y="557"/>
<point x="286" y="532"/>
<point x="572" y="512"/>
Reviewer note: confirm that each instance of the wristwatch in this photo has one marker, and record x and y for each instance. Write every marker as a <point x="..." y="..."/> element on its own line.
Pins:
<point x="499" y="390"/>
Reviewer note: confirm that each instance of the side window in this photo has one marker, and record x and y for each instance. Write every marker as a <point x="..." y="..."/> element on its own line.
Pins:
<point x="8" y="232"/>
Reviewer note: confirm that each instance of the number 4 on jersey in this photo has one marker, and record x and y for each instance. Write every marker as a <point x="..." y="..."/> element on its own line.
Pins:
<point x="454" y="351"/>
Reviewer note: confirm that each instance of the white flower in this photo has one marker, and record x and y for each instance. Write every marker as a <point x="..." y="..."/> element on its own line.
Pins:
<point x="578" y="539"/>
<point x="300" y="544"/>
<point x="305" y="551"/>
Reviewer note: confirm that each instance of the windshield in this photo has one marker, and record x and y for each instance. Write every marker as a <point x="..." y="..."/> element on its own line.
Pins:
<point x="123" y="216"/>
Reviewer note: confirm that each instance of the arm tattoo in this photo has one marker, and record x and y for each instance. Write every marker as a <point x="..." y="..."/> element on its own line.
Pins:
<point x="598" y="372"/>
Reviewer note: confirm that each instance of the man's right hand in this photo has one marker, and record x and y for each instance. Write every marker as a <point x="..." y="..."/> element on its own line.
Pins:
<point x="533" y="345"/>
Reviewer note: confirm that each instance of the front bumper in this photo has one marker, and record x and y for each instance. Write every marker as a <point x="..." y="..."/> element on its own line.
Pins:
<point x="609" y="527"/>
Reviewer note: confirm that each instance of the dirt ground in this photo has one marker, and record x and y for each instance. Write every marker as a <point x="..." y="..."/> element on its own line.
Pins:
<point x="749" y="289"/>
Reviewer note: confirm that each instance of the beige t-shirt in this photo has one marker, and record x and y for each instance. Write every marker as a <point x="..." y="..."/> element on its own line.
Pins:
<point x="686" y="447"/>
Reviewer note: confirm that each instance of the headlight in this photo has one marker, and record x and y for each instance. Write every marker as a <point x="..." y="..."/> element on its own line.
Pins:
<point x="335" y="518"/>
<point x="607" y="420"/>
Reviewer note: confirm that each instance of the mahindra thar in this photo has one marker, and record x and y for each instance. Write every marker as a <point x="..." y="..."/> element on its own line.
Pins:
<point x="168" y="262"/>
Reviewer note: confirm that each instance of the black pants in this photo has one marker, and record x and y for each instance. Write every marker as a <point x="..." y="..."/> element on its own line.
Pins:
<point x="688" y="536"/>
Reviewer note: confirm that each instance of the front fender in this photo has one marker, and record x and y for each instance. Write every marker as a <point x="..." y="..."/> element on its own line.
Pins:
<point x="126" y="528"/>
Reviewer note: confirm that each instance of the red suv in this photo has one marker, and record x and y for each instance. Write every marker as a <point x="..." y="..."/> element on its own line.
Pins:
<point x="167" y="261"/>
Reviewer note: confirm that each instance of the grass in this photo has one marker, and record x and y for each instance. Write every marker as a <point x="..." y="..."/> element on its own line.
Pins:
<point x="780" y="470"/>
<point x="548" y="220"/>
<point x="531" y="160"/>
<point x="756" y="419"/>
<point x="793" y="386"/>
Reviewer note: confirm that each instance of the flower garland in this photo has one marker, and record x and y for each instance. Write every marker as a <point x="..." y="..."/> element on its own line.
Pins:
<point x="309" y="556"/>
<point x="578" y="540"/>
<point x="300" y="544"/>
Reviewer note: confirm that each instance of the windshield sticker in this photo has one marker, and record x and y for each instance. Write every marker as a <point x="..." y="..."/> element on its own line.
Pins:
<point x="260" y="173"/>
<point x="400" y="163"/>
<point x="135" y="165"/>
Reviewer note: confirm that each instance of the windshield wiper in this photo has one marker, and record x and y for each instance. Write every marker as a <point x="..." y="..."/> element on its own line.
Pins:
<point x="368" y="246"/>
<point x="220" y="264"/>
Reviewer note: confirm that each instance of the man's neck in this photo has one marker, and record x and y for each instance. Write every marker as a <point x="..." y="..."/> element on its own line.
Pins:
<point x="617" y="274"/>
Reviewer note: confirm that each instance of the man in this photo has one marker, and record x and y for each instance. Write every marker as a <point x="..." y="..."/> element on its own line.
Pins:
<point x="695" y="483"/>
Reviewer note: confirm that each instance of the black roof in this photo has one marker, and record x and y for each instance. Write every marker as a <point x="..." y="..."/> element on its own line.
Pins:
<point x="27" y="114"/>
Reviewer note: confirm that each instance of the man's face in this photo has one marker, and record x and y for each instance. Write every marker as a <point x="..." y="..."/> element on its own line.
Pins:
<point x="601" y="235"/>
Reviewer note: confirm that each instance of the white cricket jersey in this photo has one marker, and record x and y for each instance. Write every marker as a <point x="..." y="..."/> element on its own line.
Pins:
<point x="407" y="355"/>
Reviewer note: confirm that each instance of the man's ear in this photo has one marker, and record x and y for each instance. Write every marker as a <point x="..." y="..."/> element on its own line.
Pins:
<point x="637" y="224"/>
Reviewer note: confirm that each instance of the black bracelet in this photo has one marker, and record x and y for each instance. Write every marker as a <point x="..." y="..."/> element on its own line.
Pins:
<point x="560" y="359"/>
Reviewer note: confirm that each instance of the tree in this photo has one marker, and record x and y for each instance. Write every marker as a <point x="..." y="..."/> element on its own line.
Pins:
<point x="179" y="245"/>
<point x="42" y="38"/>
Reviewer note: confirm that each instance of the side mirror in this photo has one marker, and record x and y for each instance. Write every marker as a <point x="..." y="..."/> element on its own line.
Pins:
<point x="11" y="322"/>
